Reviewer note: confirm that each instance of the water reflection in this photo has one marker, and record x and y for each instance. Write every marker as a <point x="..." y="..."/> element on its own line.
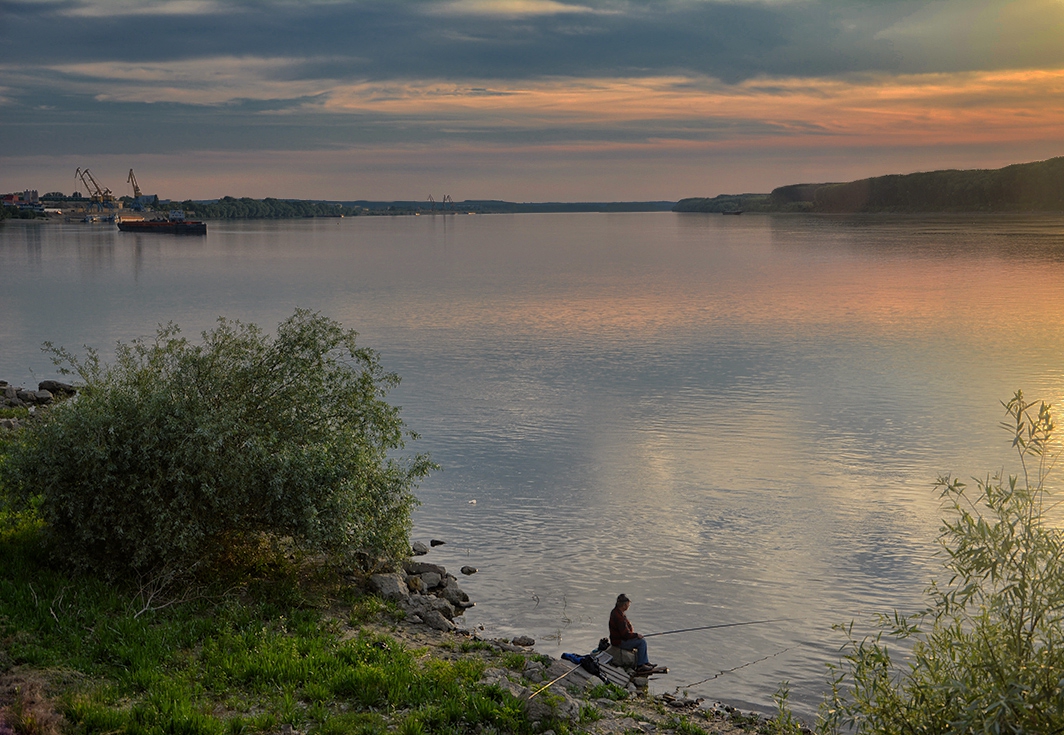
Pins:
<point x="728" y="418"/>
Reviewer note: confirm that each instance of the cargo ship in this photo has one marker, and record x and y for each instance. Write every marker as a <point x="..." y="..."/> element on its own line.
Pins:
<point x="174" y="224"/>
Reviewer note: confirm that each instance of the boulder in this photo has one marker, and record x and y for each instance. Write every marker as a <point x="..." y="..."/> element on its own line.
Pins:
<point x="390" y="586"/>
<point x="419" y="604"/>
<point x="436" y="620"/>
<point x="26" y="396"/>
<point x="467" y="570"/>
<point x="54" y="386"/>
<point x="436" y="542"/>
<point x="554" y="703"/>
<point x="419" y="549"/>
<point x="43" y="397"/>
<point x="420" y="567"/>
<point x="431" y="579"/>
<point x="524" y="640"/>
<point x="453" y="594"/>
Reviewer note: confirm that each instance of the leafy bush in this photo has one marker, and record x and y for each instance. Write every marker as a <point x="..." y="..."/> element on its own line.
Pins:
<point x="177" y="451"/>
<point x="988" y="654"/>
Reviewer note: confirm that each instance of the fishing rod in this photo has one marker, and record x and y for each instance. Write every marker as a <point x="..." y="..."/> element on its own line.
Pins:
<point x="553" y="681"/>
<point x="719" y="625"/>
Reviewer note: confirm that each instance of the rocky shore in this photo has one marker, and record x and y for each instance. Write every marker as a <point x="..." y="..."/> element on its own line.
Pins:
<point x="554" y="690"/>
<point x="12" y="397"/>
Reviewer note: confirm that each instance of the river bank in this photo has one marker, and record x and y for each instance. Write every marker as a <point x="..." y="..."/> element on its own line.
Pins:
<point x="613" y="700"/>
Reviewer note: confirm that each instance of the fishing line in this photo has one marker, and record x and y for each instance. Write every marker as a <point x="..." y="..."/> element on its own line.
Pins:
<point x="720" y="625"/>
<point x="742" y="666"/>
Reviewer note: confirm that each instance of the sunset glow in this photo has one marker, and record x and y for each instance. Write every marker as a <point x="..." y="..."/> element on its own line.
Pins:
<point x="690" y="99"/>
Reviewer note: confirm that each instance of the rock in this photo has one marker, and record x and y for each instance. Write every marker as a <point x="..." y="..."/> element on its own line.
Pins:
<point x="453" y="594"/>
<point x="8" y="424"/>
<point x="25" y="396"/>
<point x="436" y="542"/>
<point x="431" y="579"/>
<point x="554" y="703"/>
<point x="420" y="604"/>
<point x="414" y="583"/>
<point x="532" y="668"/>
<point x="11" y="392"/>
<point x="54" y="386"/>
<point x="468" y="570"/>
<point x="419" y="548"/>
<point x="390" y="586"/>
<point x="42" y="397"/>
<point x="435" y="619"/>
<point x="523" y="640"/>
<point x="420" y="567"/>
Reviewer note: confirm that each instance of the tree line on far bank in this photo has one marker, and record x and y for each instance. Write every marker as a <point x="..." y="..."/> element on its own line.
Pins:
<point x="268" y="208"/>
<point x="1019" y="188"/>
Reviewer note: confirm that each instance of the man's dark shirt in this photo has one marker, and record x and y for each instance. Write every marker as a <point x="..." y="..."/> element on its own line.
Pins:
<point x="620" y="628"/>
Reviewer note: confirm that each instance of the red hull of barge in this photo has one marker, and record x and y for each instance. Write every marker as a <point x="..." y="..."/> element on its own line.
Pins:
<point x="164" y="227"/>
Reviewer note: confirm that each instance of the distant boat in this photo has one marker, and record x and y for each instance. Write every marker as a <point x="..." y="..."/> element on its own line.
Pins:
<point x="175" y="224"/>
<point x="732" y="211"/>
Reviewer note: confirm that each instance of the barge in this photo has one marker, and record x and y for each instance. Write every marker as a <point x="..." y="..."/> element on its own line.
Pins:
<point x="175" y="224"/>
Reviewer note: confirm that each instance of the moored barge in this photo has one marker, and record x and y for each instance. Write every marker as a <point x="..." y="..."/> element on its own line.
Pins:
<point x="175" y="224"/>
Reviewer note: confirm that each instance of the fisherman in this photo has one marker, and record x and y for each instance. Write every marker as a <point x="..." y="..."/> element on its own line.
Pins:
<point x="624" y="636"/>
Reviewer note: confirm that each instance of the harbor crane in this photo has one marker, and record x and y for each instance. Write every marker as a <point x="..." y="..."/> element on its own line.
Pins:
<point x="100" y="196"/>
<point x="443" y="204"/>
<point x="132" y="179"/>
<point x="138" y="201"/>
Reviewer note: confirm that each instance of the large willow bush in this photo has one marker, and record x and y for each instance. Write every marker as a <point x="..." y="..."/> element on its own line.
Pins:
<point x="177" y="451"/>
<point x="987" y="656"/>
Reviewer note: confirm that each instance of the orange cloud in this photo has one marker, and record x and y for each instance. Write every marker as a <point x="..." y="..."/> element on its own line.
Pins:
<point x="875" y="110"/>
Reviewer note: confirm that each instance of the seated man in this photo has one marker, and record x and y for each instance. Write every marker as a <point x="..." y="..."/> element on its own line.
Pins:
<point x="624" y="636"/>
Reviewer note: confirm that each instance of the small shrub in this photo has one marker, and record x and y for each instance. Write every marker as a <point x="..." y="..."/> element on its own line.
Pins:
<point x="177" y="451"/>
<point x="784" y="722"/>
<point x="988" y="653"/>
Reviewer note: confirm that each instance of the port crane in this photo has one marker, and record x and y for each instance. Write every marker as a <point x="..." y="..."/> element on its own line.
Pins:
<point x="443" y="205"/>
<point x="138" y="203"/>
<point x="132" y="179"/>
<point x="100" y="196"/>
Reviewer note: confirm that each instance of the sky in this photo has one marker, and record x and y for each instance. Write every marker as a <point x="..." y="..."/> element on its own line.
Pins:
<point x="521" y="100"/>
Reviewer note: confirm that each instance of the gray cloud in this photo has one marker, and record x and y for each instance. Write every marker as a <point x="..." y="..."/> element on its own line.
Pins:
<point x="385" y="40"/>
<point x="114" y="76"/>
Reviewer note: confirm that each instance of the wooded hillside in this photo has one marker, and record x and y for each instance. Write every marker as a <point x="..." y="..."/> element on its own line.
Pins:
<point x="1021" y="187"/>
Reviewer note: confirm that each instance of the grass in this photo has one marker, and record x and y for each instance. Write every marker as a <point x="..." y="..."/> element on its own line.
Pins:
<point x="226" y="662"/>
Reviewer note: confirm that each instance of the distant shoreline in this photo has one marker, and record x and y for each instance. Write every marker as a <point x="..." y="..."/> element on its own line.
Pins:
<point x="1022" y="188"/>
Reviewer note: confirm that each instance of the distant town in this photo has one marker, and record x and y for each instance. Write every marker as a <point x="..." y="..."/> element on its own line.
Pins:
<point x="28" y="204"/>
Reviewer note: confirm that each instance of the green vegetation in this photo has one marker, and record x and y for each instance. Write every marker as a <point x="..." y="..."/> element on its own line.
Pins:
<point x="268" y="208"/>
<point x="988" y="653"/>
<point x="223" y="661"/>
<point x="18" y="213"/>
<point x="1023" y="187"/>
<point x="181" y="455"/>
<point x="727" y="203"/>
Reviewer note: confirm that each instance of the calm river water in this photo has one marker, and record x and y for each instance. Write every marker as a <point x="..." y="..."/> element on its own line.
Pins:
<point x="727" y="418"/>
